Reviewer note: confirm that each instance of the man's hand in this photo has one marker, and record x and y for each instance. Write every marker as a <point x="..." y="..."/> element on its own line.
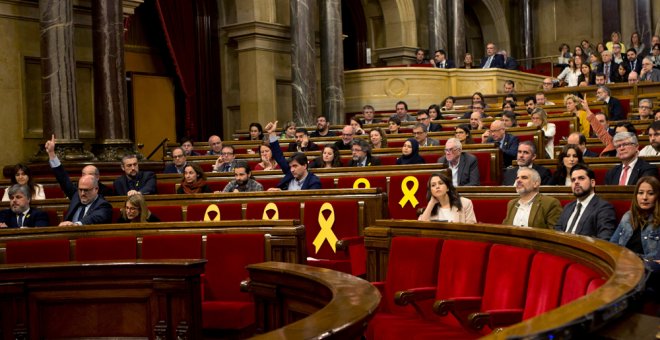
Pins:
<point x="305" y="141"/>
<point x="2" y="225"/>
<point x="274" y="189"/>
<point x="271" y="127"/>
<point x="66" y="224"/>
<point x="50" y="147"/>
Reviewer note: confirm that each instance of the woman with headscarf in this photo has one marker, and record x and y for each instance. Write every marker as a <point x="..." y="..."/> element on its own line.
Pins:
<point x="410" y="153"/>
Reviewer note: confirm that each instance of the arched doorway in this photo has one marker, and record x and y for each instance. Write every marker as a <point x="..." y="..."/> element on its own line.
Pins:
<point x="354" y="27"/>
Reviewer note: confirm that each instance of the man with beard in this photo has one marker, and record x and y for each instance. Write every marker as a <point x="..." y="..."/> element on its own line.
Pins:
<point x="322" y="128"/>
<point x="243" y="181"/>
<point x="19" y="214"/>
<point x="632" y="167"/>
<point x="526" y="157"/>
<point x="295" y="169"/>
<point x="346" y="141"/>
<point x="532" y="209"/>
<point x="652" y="149"/>
<point x="613" y="105"/>
<point x="589" y="215"/>
<point x="530" y="104"/>
<point x="401" y="108"/>
<point x="302" y="143"/>
<point x="134" y="181"/>
<point x="362" y="154"/>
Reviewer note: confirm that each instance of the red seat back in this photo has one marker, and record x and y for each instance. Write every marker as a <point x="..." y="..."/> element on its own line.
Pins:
<point x="53" y="191"/>
<point x="462" y="269"/>
<point x="106" y="248"/>
<point x="388" y="160"/>
<point x="495" y="208"/>
<point x="545" y="284"/>
<point x="600" y="174"/>
<point x="620" y="207"/>
<point x="342" y="216"/>
<point x="348" y="182"/>
<point x="228" y="212"/>
<point x="576" y="282"/>
<point x="285" y="210"/>
<point x="401" y="190"/>
<point x="595" y="284"/>
<point x="165" y="188"/>
<point x="51" y="250"/>
<point x="268" y="182"/>
<point x="484" y="162"/>
<point x="506" y="277"/>
<point x="170" y="213"/>
<point x="327" y="182"/>
<point x="184" y="246"/>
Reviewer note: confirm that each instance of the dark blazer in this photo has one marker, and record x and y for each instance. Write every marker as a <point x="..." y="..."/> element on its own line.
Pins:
<point x="341" y="146"/>
<point x="311" y="146"/>
<point x="642" y="168"/>
<point x="99" y="212"/>
<point x="171" y="169"/>
<point x="498" y="61"/>
<point x="544" y="214"/>
<point x="434" y="127"/>
<point x="468" y="169"/>
<point x="638" y="65"/>
<point x="145" y="182"/>
<point x="510" y="174"/>
<point x="448" y="64"/>
<point x="511" y="63"/>
<point x="311" y="182"/>
<point x="590" y="81"/>
<point x="613" y="69"/>
<point x="589" y="153"/>
<point x="615" y="109"/>
<point x="509" y="148"/>
<point x="598" y="219"/>
<point x="371" y="161"/>
<point x="34" y="218"/>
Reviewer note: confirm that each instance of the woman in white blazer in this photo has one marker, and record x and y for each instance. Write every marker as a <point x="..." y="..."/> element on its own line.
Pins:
<point x="444" y="202"/>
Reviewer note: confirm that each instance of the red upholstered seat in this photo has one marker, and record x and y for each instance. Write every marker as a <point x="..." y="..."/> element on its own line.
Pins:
<point x="228" y="211"/>
<point x="388" y="160"/>
<point x="490" y="210"/>
<point x="53" y="191"/>
<point x="576" y="282"/>
<point x="413" y="262"/>
<point x="53" y="218"/>
<point x="217" y="185"/>
<point x="224" y="306"/>
<point x="342" y="220"/>
<point x="430" y="158"/>
<point x="285" y="210"/>
<point x="595" y="284"/>
<point x="395" y="143"/>
<point x="170" y="213"/>
<point x="116" y="213"/>
<point x="485" y="163"/>
<point x="402" y="207"/>
<point x="327" y="182"/>
<point x="345" y="182"/>
<point x="600" y="174"/>
<point x="106" y="248"/>
<point x="184" y="246"/>
<point x="164" y="188"/>
<point x="51" y="250"/>
<point x="620" y="207"/>
<point x="268" y="182"/>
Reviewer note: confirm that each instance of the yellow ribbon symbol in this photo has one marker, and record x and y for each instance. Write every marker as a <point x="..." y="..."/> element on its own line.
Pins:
<point x="356" y="184"/>
<point x="326" y="228"/>
<point x="212" y="208"/>
<point x="409" y="194"/>
<point x="271" y="206"/>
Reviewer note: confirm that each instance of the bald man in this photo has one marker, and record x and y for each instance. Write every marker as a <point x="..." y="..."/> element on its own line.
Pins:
<point x="506" y="142"/>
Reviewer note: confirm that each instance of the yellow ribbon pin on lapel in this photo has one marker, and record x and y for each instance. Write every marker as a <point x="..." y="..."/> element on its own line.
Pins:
<point x="409" y="194"/>
<point x="326" y="232"/>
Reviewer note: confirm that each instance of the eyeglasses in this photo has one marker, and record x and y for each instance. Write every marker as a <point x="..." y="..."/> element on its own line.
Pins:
<point x="451" y="150"/>
<point x="623" y="145"/>
<point x="417" y="133"/>
<point x="357" y="150"/>
<point x="495" y="130"/>
<point x="544" y="83"/>
<point x="347" y="135"/>
<point x="645" y="107"/>
<point x="85" y="191"/>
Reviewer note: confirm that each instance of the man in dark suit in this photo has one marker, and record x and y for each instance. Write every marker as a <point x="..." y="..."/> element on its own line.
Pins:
<point x="19" y="214"/>
<point x="589" y="215"/>
<point x="613" y="105"/>
<point x="506" y="142"/>
<point x="532" y="209"/>
<point x="526" y="157"/>
<point x="296" y="174"/>
<point x="134" y="181"/>
<point x="463" y="166"/>
<point x="580" y="140"/>
<point x="424" y="119"/>
<point x="633" y="61"/>
<point x="179" y="162"/>
<point x="87" y="206"/>
<point x="607" y="67"/>
<point x="302" y="142"/>
<point x="441" y="60"/>
<point x="632" y="167"/>
<point x="362" y="154"/>
<point x="492" y="59"/>
<point x="346" y="141"/>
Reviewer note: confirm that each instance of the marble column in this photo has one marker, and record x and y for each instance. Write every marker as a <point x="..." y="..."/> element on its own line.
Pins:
<point x="437" y="26"/>
<point x="458" y="29"/>
<point x="643" y="21"/>
<point x="528" y="33"/>
<point x="110" y="108"/>
<point x="332" y="60"/>
<point x="58" y="84"/>
<point x="303" y="72"/>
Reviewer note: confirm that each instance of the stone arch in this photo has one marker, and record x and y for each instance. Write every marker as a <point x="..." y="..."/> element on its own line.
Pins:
<point x="400" y="23"/>
<point x="492" y="19"/>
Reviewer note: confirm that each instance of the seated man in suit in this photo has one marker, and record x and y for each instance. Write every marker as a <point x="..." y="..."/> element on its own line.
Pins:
<point x="613" y="105"/>
<point x="179" y="162"/>
<point x="362" y="154"/>
<point x="296" y="173"/>
<point x="589" y="215"/>
<point x="506" y="142"/>
<point x="368" y="112"/>
<point x="580" y="140"/>
<point x="302" y="142"/>
<point x="492" y="59"/>
<point x="441" y="61"/>
<point x="87" y="206"/>
<point x="424" y="119"/>
<point x="346" y="141"/>
<point x="526" y="157"/>
<point x="134" y="180"/>
<point x="19" y="214"/>
<point x="215" y="146"/>
<point x="632" y="167"/>
<point x="421" y="136"/>
<point x="463" y="166"/>
<point x="532" y="209"/>
<point x="227" y="160"/>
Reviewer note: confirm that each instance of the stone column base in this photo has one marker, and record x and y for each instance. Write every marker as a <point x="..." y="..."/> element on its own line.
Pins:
<point x="71" y="150"/>
<point x="113" y="150"/>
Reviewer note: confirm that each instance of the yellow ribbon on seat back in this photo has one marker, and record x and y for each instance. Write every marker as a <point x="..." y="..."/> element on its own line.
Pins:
<point x="326" y="232"/>
<point x="409" y="194"/>
<point x="362" y="180"/>
<point x="271" y="206"/>
<point x="212" y="208"/>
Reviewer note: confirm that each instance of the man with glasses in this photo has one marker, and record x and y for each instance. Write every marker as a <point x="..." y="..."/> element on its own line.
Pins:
<point x="548" y="84"/>
<point x="632" y="167"/>
<point x="178" y="162"/>
<point x="226" y="162"/>
<point x="215" y="146"/>
<point x="346" y="138"/>
<point x="322" y="128"/>
<point x="649" y="73"/>
<point x="613" y="105"/>
<point x="361" y="152"/>
<point x="653" y="149"/>
<point x="476" y="107"/>
<point x="506" y="142"/>
<point x="87" y="206"/>
<point x="645" y="109"/>
<point x="424" y="119"/>
<point x="421" y="136"/>
<point x="464" y="167"/>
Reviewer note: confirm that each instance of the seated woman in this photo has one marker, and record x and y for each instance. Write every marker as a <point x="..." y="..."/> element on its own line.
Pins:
<point x="256" y="131"/>
<point x="135" y="211"/>
<point x="569" y="156"/>
<point x="446" y="105"/>
<point x="574" y="106"/>
<point x="435" y="112"/>
<point x="21" y="175"/>
<point x="540" y="119"/>
<point x="330" y="158"/>
<point x="570" y="74"/>
<point x="639" y="229"/>
<point x="587" y="77"/>
<point x="356" y="124"/>
<point x="621" y="75"/>
<point x="445" y="204"/>
<point x="267" y="161"/>
<point x="377" y="138"/>
<point x="509" y="105"/>
<point x="463" y="133"/>
<point x="194" y="180"/>
<point x="410" y="153"/>
<point x="289" y="131"/>
<point x="509" y="119"/>
<point x="394" y="124"/>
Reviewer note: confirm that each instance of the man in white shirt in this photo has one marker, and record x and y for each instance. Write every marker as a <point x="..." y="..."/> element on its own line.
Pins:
<point x="532" y="209"/>
<point x="653" y="149"/>
<point x="464" y="167"/>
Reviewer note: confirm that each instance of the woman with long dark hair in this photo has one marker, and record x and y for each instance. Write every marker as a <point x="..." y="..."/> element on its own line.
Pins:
<point x="21" y="175"/>
<point x="330" y="158"/>
<point x="570" y="156"/>
<point x="444" y="202"/>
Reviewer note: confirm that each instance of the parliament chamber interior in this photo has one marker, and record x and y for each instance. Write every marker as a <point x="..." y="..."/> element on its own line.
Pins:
<point x="299" y="169"/>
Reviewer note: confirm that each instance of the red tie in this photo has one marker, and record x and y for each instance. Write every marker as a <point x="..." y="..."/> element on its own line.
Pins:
<point x="624" y="175"/>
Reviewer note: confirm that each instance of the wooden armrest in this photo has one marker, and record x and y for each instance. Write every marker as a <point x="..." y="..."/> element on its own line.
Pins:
<point x="346" y="242"/>
<point x="413" y="295"/>
<point x="504" y="317"/>
<point x="460" y="307"/>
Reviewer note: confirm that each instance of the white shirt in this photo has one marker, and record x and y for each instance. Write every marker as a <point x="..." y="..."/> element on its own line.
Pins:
<point x="649" y="151"/>
<point x="454" y="172"/>
<point x="631" y="166"/>
<point x="584" y="204"/>
<point x="443" y="214"/>
<point x="296" y="184"/>
<point x="522" y="214"/>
